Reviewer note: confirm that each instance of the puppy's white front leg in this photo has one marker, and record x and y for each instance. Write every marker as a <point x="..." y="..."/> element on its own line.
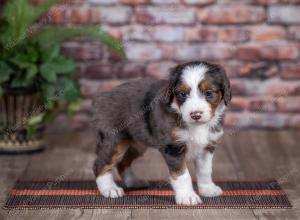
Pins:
<point x="184" y="192"/>
<point x="206" y="186"/>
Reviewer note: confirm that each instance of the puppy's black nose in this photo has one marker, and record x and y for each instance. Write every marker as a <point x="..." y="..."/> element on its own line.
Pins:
<point x="196" y="115"/>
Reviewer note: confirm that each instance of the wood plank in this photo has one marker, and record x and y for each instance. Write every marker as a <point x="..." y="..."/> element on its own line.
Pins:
<point x="258" y="154"/>
<point x="174" y="214"/>
<point x="50" y="214"/>
<point x="285" y="155"/>
<point x="11" y="167"/>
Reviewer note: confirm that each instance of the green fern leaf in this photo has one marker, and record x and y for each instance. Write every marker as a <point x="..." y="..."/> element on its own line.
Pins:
<point x="50" y="36"/>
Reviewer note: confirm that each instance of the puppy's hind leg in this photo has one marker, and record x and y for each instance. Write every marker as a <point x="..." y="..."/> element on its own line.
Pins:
<point x="125" y="170"/>
<point x="108" y="157"/>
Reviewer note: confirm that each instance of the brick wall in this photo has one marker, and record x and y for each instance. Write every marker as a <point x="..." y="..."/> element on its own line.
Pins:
<point x="257" y="41"/>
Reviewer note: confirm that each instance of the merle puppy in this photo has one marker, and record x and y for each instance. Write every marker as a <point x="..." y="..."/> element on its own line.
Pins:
<point x="181" y="117"/>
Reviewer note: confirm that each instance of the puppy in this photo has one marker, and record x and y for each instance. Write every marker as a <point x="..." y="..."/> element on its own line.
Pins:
<point x="181" y="117"/>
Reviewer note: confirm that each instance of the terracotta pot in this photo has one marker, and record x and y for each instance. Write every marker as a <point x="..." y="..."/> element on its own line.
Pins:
<point x="16" y="107"/>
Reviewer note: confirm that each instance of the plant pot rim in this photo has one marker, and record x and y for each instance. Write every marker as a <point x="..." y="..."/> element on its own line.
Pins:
<point x="19" y="91"/>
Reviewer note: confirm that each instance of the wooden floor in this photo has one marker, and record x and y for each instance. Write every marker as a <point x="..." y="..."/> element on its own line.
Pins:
<point x="250" y="154"/>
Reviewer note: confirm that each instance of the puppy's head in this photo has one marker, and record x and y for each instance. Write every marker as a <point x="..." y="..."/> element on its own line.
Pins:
<point x="197" y="90"/>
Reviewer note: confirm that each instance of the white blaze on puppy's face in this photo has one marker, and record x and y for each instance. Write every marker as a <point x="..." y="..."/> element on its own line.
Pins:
<point x="195" y="102"/>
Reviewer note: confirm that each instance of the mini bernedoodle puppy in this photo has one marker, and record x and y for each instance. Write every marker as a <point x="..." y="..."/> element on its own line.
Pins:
<point x="181" y="117"/>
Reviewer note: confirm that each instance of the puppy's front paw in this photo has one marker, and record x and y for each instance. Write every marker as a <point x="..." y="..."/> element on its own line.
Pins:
<point x="210" y="190"/>
<point x="112" y="192"/>
<point x="189" y="198"/>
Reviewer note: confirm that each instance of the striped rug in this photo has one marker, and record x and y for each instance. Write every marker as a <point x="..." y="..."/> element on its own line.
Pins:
<point x="47" y="193"/>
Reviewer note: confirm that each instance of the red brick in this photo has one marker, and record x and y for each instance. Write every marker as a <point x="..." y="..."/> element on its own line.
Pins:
<point x="73" y="2"/>
<point x="201" y="34"/>
<point x="290" y="1"/>
<point x="165" y="2"/>
<point x="263" y="104"/>
<point x="249" y="52"/>
<point x="116" y="14"/>
<point x="217" y="34"/>
<point x="135" y="2"/>
<point x="231" y="120"/>
<point x="264" y="2"/>
<point x="115" y="56"/>
<point x="168" y="33"/>
<point x="138" y="33"/>
<point x="231" y="68"/>
<point x="267" y="33"/>
<point x="89" y="88"/>
<point x="268" y="2"/>
<point x="103" y="2"/>
<point x="257" y="120"/>
<point x="294" y="121"/>
<point x="290" y="70"/>
<point x="270" y="87"/>
<point x="294" y="32"/>
<point x="284" y="14"/>
<point x="101" y="71"/>
<point x="115" y="32"/>
<point x="234" y="35"/>
<point x="261" y="70"/>
<point x="204" y="52"/>
<point x="168" y="51"/>
<point x="82" y="51"/>
<point x="169" y="15"/>
<point x="238" y="87"/>
<point x="282" y="89"/>
<point x="280" y="51"/>
<point x="142" y="52"/>
<point x="238" y="104"/>
<point x="131" y="70"/>
<point x="289" y="104"/>
<point x="82" y="16"/>
<point x="235" y="14"/>
<point x="199" y="2"/>
<point x="159" y="70"/>
<point x="268" y="51"/>
<point x="57" y="15"/>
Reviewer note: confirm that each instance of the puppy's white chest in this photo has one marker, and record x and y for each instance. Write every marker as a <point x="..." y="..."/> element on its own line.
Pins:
<point x="197" y="138"/>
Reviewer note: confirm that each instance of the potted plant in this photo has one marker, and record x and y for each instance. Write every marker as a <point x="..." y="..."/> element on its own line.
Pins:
<point x="36" y="79"/>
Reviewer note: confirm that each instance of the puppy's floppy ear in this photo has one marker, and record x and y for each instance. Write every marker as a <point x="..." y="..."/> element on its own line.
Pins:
<point x="173" y="80"/>
<point x="226" y="90"/>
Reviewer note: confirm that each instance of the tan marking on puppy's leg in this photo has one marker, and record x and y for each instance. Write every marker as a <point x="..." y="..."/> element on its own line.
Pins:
<point x="119" y="152"/>
<point x="128" y="158"/>
<point x="105" y="180"/>
<point x="125" y="170"/>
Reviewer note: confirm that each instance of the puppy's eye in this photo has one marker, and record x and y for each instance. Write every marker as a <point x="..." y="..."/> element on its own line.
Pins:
<point x="208" y="94"/>
<point x="182" y="95"/>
